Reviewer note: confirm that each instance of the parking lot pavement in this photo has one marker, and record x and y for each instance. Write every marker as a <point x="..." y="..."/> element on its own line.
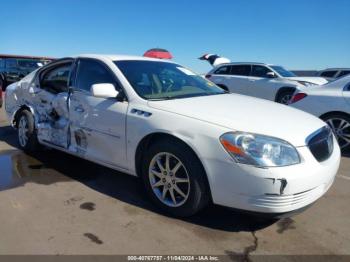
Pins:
<point x="53" y="203"/>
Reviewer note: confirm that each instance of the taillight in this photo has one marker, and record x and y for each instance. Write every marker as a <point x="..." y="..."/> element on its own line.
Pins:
<point x="298" y="97"/>
<point x="208" y="76"/>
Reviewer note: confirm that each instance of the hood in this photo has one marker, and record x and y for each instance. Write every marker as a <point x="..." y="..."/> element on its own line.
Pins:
<point x="247" y="114"/>
<point x="215" y="60"/>
<point x="314" y="80"/>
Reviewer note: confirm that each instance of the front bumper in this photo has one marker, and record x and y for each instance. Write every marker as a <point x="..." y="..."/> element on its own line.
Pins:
<point x="271" y="190"/>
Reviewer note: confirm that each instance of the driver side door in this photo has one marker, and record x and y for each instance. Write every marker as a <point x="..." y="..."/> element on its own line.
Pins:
<point x="262" y="86"/>
<point x="98" y="125"/>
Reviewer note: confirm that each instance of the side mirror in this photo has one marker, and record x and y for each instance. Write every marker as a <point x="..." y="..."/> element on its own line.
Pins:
<point x="271" y="75"/>
<point x="104" y="90"/>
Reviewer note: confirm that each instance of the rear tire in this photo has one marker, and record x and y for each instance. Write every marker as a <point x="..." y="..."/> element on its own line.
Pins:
<point x="27" y="138"/>
<point x="340" y="124"/>
<point x="284" y="97"/>
<point x="174" y="178"/>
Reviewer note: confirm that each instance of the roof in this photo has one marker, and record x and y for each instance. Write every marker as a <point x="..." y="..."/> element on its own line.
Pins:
<point x="26" y="57"/>
<point x="247" y="63"/>
<point x="120" y="57"/>
<point x="336" y="68"/>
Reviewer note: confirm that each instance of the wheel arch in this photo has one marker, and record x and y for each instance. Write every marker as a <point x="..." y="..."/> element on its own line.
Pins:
<point x="284" y="89"/>
<point x="18" y="112"/>
<point x="151" y="138"/>
<point x="334" y="113"/>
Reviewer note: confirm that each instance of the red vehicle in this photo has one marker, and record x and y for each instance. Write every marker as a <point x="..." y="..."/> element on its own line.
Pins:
<point x="158" y="53"/>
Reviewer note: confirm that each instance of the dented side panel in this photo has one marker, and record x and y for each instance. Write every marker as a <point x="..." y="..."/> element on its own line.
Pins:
<point x="98" y="128"/>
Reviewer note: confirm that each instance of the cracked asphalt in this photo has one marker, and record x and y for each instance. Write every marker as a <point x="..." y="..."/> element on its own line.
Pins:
<point x="53" y="203"/>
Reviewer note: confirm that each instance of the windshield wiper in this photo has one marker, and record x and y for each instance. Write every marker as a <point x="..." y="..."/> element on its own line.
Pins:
<point x="162" y="98"/>
<point x="187" y="96"/>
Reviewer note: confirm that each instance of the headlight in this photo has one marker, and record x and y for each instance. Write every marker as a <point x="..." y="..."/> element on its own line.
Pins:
<point x="259" y="150"/>
<point x="304" y="83"/>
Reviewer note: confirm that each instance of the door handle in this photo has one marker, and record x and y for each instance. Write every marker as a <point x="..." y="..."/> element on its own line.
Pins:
<point x="79" y="109"/>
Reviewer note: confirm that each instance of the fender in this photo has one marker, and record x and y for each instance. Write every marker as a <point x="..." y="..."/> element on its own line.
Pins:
<point x="283" y="89"/>
<point x="14" y="115"/>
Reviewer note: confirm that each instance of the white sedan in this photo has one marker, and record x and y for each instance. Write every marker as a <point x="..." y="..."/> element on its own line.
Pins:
<point x="189" y="141"/>
<point x="331" y="103"/>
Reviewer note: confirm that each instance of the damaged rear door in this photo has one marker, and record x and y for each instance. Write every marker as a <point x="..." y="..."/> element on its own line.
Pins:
<point x="49" y="94"/>
<point x="97" y="124"/>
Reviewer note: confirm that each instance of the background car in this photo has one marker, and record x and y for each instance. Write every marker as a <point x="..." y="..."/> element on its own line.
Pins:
<point x="13" y="68"/>
<point x="334" y="73"/>
<point x="331" y="103"/>
<point x="188" y="140"/>
<point x="260" y="80"/>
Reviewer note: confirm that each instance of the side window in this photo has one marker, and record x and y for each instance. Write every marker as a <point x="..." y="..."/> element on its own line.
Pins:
<point x="342" y="73"/>
<point x="328" y="73"/>
<point x="240" y="70"/>
<point x="11" y="63"/>
<point x="2" y="63"/>
<point x="224" y="70"/>
<point x="92" y="72"/>
<point x="56" y="80"/>
<point x="260" y="71"/>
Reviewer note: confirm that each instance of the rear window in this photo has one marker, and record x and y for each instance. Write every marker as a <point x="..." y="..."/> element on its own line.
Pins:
<point x="328" y="73"/>
<point x="224" y="70"/>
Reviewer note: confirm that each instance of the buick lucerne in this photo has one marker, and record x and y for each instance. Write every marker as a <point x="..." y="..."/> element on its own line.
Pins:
<point x="189" y="141"/>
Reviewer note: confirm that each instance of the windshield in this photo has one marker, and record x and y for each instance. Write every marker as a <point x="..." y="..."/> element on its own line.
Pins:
<point x="30" y="63"/>
<point x="155" y="80"/>
<point x="282" y="71"/>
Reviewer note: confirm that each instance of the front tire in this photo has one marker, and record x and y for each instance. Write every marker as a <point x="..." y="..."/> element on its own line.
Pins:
<point x="175" y="179"/>
<point x="27" y="138"/>
<point x="285" y="97"/>
<point x="340" y="124"/>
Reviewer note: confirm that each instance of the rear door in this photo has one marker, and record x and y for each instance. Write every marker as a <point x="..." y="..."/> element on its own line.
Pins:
<point x="238" y="79"/>
<point x="221" y="76"/>
<point x="49" y="94"/>
<point x="98" y="125"/>
<point x="346" y="95"/>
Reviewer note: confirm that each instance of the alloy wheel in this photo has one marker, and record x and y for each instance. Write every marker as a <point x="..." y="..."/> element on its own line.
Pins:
<point x="169" y="179"/>
<point x="341" y="129"/>
<point x="23" y="129"/>
<point x="286" y="99"/>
